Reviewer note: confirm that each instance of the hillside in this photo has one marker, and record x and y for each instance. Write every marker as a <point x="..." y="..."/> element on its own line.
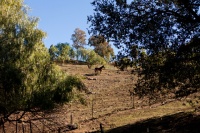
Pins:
<point x="109" y="103"/>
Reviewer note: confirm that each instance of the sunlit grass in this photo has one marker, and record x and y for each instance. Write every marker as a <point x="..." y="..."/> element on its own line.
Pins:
<point x="135" y="115"/>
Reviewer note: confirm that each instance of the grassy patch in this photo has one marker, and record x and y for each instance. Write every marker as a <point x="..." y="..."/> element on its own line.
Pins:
<point x="135" y="115"/>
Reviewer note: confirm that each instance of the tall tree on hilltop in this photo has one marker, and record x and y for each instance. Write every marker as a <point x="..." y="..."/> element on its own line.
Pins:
<point x="78" y="38"/>
<point x="163" y="29"/>
<point x="101" y="47"/>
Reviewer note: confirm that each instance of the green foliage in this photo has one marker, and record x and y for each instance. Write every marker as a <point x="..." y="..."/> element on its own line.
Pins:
<point x="175" y="72"/>
<point x="61" y="52"/>
<point x="164" y="29"/>
<point x="53" y="52"/>
<point x="78" y="38"/>
<point x="101" y="47"/>
<point x="146" y="23"/>
<point x="64" y="91"/>
<point x="123" y="63"/>
<point x="134" y="51"/>
<point x="91" y="57"/>
<point x="61" y="90"/>
<point x="72" y="53"/>
<point x="28" y="79"/>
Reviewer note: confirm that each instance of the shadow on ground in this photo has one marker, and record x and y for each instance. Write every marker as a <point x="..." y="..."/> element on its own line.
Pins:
<point x="176" y="123"/>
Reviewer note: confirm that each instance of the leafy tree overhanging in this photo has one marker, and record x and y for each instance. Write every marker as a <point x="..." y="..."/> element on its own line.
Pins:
<point x="29" y="81"/>
<point x="168" y="30"/>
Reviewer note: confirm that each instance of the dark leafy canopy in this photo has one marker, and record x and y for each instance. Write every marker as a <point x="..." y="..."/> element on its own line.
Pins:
<point x="168" y="30"/>
<point x="155" y="24"/>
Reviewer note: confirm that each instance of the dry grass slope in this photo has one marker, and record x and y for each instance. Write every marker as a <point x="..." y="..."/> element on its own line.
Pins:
<point x="110" y="104"/>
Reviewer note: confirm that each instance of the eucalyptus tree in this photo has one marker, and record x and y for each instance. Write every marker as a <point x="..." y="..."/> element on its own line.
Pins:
<point x="163" y="28"/>
<point x="79" y="40"/>
<point x="28" y="79"/>
<point x="101" y="47"/>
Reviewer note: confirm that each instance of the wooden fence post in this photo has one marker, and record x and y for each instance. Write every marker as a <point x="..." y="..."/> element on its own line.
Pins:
<point x="23" y="127"/>
<point x="16" y="126"/>
<point x="71" y="119"/>
<point x="30" y="127"/>
<point x="133" y="98"/>
<point x="92" y="108"/>
<point x="132" y="95"/>
<point x="101" y="128"/>
<point x="59" y="130"/>
<point x="4" y="131"/>
<point x="93" y="102"/>
<point x="147" y="129"/>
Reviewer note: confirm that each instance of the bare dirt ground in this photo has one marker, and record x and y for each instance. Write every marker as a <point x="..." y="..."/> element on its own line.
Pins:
<point x="109" y="95"/>
<point x="108" y="103"/>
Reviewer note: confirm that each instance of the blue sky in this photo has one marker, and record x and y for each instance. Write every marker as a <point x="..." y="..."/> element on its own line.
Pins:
<point x="59" y="18"/>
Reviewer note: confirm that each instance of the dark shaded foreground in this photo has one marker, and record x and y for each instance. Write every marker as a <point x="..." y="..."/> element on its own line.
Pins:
<point x="176" y="123"/>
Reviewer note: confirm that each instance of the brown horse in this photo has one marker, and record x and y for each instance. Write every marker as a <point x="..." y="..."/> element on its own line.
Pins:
<point x="99" y="69"/>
